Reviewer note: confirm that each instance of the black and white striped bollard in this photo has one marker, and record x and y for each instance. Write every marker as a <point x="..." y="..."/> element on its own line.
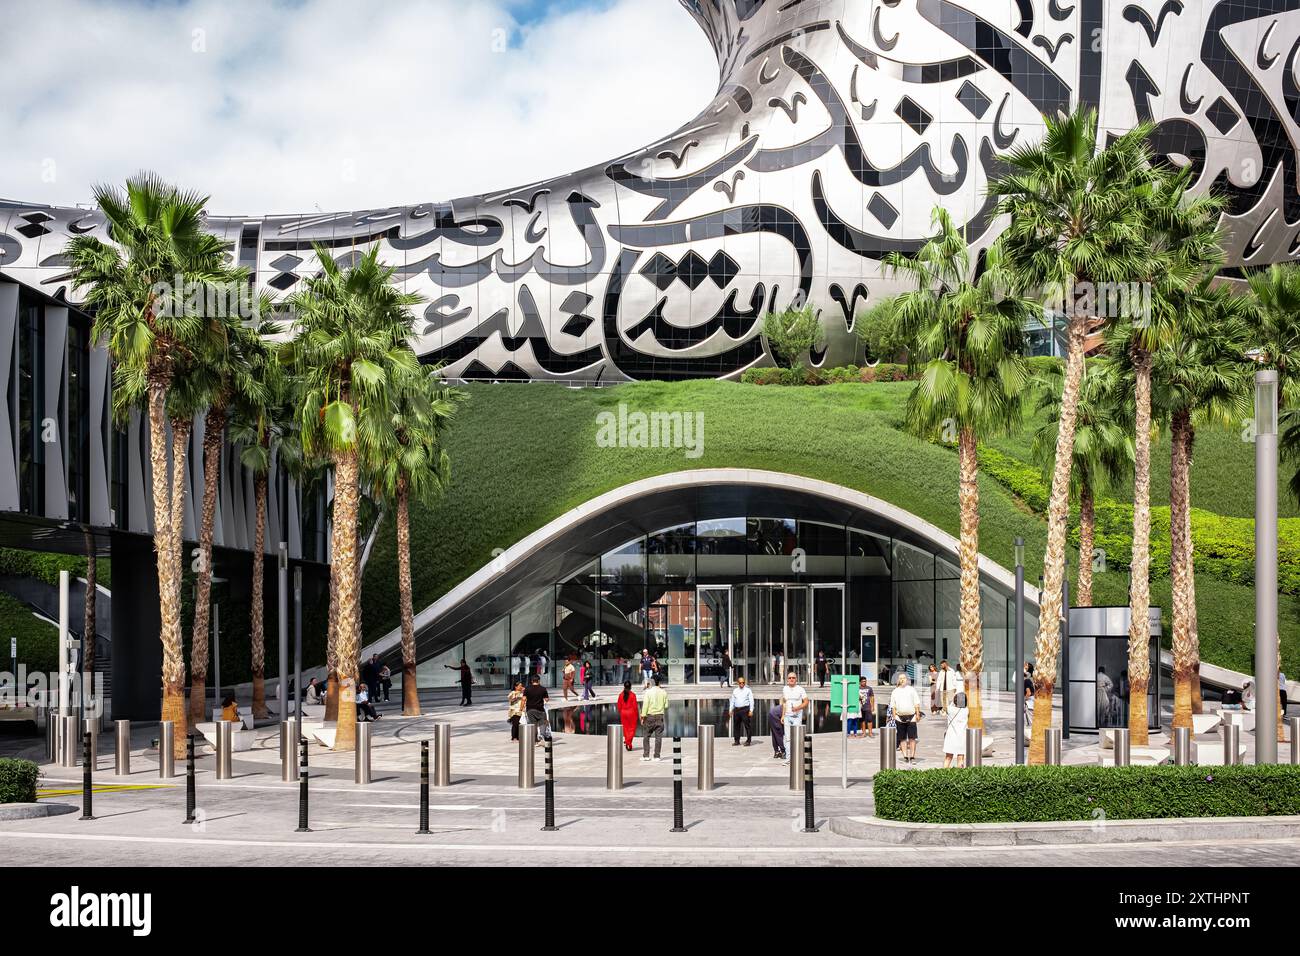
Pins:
<point x="679" y="823"/>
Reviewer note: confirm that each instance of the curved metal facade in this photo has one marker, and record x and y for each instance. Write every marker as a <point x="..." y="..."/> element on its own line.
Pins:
<point x="836" y="127"/>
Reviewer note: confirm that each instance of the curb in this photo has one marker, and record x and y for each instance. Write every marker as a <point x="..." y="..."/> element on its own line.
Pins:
<point x="33" y="811"/>
<point x="1066" y="832"/>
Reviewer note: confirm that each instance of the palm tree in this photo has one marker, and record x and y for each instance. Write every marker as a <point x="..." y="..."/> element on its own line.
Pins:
<point x="1076" y="223"/>
<point x="351" y="342"/>
<point x="1184" y="240"/>
<point x="235" y="372"/>
<point x="136" y="290"/>
<point x="414" y="464"/>
<point x="1274" y="321"/>
<point x="258" y="421"/>
<point x="1199" y="377"/>
<point x="966" y="334"/>
<point x="1103" y="450"/>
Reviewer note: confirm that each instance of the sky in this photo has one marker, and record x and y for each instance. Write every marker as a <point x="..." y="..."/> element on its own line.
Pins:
<point x="281" y="106"/>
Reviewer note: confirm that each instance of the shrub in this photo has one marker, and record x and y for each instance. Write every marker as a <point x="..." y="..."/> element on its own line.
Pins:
<point x="801" y="375"/>
<point x="18" y="780"/>
<point x="1043" y="793"/>
<point x="792" y="334"/>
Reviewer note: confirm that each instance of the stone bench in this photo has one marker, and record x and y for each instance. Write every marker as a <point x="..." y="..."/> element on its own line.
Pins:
<point x="1245" y="719"/>
<point x="325" y="734"/>
<point x="241" y="740"/>
<point x="1205" y="723"/>
<point x="1106" y="739"/>
<point x="1210" y="753"/>
<point x="1137" y="757"/>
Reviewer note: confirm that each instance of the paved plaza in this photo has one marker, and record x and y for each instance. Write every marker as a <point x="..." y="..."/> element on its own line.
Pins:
<point x="483" y="817"/>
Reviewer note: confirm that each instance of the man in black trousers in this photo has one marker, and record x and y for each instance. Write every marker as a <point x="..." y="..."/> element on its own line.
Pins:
<point x="742" y="707"/>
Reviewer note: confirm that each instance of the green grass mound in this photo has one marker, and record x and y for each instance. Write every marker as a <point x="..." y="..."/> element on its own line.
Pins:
<point x="18" y="780"/>
<point x="522" y="455"/>
<point x="1047" y="794"/>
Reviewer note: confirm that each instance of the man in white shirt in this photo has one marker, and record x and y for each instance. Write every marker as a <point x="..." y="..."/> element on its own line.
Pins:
<point x="905" y="703"/>
<point x="794" y="701"/>
<point x="947" y="686"/>
<point x="742" y="709"/>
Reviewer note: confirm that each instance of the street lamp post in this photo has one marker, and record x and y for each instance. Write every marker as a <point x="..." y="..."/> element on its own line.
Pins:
<point x="1266" y="663"/>
<point x="1018" y="695"/>
<point x="283" y="587"/>
<point x="1065" y="651"/>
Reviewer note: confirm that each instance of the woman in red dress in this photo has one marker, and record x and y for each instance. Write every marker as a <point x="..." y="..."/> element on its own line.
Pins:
<point x="628" y="713"/>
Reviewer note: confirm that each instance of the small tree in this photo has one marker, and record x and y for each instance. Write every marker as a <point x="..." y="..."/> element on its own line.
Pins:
<point x="791" y="335"/>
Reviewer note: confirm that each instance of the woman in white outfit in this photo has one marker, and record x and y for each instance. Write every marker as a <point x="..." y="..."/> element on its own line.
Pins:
<point x="954" y="738"/>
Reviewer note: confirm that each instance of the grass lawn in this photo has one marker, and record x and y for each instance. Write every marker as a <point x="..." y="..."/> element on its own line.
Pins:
<point x="38" y="640"/>
<point x="523" y="455"/>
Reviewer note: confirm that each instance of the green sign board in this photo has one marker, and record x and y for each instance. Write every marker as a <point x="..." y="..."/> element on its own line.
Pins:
<point x="844" y="687"/>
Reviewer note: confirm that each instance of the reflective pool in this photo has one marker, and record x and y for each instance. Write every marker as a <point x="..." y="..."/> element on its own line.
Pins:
<point x="684" y="715"/>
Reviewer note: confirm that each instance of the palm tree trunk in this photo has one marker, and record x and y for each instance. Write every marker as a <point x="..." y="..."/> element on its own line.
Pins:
<point x="1047" y="647"/>
<point x="410" y="693"/>
<point x="1198" y="705"/>
<point x="1139" y="632"/>
<point x="213" y="429"/>
<point x="169" y="591"/>
<point x="182" y="428"/>
<point x="346" y="502"/>
<point x="256" y="614"/>
<point x="332" y="647"/>
<point x="1180" y="570"/>
<point x="1087" y="540"/>
<point x="968" y="554"/>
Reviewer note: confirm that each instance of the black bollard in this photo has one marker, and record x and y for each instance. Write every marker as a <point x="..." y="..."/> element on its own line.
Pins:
<point x="88" y="767"/>
<point x="302" y="787"/>
<point x="550" y="789"/>
<point x="809" y="817"/>
<point x="679" y="823"/>
<point x="424" y="787"/>
<point x="189" y="778"/>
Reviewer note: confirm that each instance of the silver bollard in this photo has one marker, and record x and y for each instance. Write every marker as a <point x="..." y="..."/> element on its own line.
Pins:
<point x="1052" y="746"/>
<point x="51" y="737"/>
<point x="1121" y="741"/>
<point x="225" y="732"/>
<point x="704" y="759"/>
<point x="69" y="740"/>
<point x="974" y="747"/>
<point x="361" y="773"/>
<point x="794" y="751"/>
<point x="166" y="749"/>
<point x="1293" y="726"/>
<point x="289" y="768"/>
<point x="122" y="748"/>
<point x="1232" y="744"/>
<point x="527" y="743"/>
<point x="1182" y="746"/>
<point x="442" y="755"/>
<point x="888" y="748"/>
<point x="613" y="758"/>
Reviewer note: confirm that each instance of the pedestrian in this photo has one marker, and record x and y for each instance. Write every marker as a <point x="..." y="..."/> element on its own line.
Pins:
<point x="620" y="669"/>
<point x="951" y="680"/>
<point x="363" y="703"/>
<point x="628" y="714"/>
<point x="867" y="706"/>
<point x="777" y="727"/>
<point x="370" y="672"/>
<point x="935" y="691"/>
<point x="742" y="708"/>
<point x="543" y="666"/>
<point x="647" y="668"/>
<point x="794" y="701"/>
<point x="954" y="738"/>
<point x="517" y="709"/>
<point x="570" y="673"/>
<point x="535" y="698"/>
<point x="822" y="668"/>
<point x="466" y="681"/>
<point x="653" y="708"/>
<point x="906" y="704"/>
<point x="230" y="710"/>
<point x="386" y="681"/>
<point x="725" y="678"/>
<point x="1028" y="685"/>
<point x="588" y="681"/>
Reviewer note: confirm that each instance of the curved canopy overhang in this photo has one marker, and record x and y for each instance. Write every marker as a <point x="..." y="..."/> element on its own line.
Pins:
<point x="565" y="545"/>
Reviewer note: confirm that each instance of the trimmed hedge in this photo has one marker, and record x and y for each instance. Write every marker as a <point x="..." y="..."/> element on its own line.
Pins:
<point x="46" y="565"/>
<point x="18" y="780"/>
<point x="805" y="375"/>
<point x="1224" y="546"/>
<point x="1044" y="794"/>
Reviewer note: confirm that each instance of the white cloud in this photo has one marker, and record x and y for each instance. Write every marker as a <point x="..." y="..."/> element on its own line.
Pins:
<point x="335" y="103"/>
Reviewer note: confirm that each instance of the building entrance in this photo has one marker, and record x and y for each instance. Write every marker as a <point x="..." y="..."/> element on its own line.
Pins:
<point x="786" y="627"/>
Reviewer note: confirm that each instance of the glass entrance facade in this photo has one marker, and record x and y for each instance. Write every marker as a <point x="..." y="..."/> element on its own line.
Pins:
<point x="772" y="594"/>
